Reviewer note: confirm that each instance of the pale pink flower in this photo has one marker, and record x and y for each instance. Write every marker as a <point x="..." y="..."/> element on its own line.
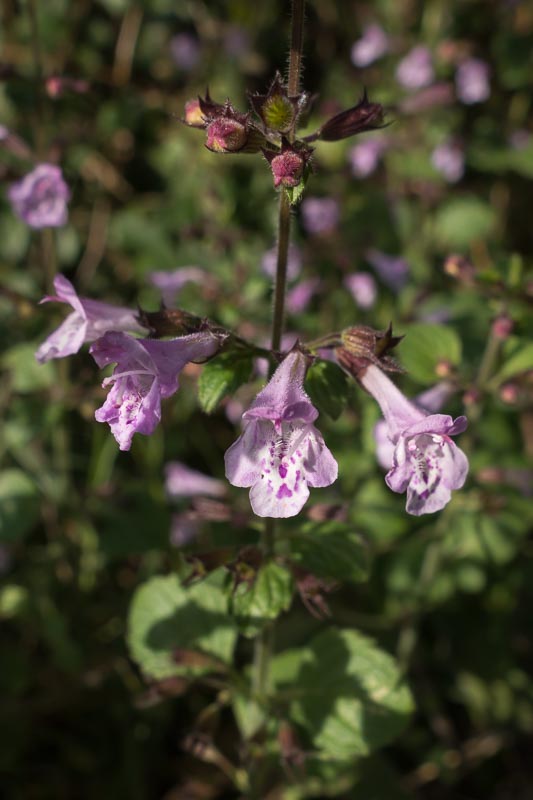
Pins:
<point x="372" y="45"/>
<point x="280" y="452"/>
<point x="40" y="198"/>
<point x="183" y="481"/>
<point x="89" y="320"/>
<point x="415" y="70"/>
<point x="426" y="462"/>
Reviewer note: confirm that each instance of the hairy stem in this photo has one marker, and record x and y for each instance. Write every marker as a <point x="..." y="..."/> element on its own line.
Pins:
<point x="265" y="641"/>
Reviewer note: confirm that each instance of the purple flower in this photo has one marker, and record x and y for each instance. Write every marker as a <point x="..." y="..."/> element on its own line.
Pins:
<point x="89" y="320"/>
<point x="415" y="70"/>
<point x="185" y="51"/>
<point x="299" y="297"/>
<point x="182" y="481"/>
<point x="426" y="462"/>
<point x="363" y="289"/>
<point x="393" y="270"/>
<point x="294" y="262"/>
<point x="364" y="157"/>
<point x="472" y="81"/>
<point x="146" y="371"/>
<point x="183" y="529"/>
<point x="448" y="158"/>
<point x="40" y="198"/>
<point x="280" y="452"/>
<point x="372" y="45"/>
<point x="170" y="283"/>
<point x="320" y="214"/>
<point x="431" y="400"/>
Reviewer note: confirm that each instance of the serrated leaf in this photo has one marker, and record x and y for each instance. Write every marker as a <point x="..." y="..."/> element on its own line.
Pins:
<point x="166" y="616"/>
<point x="327" y="387"/>
<point x="425" y="346"/>
<point x="19" y="505"/>
<point x="270" y="594"/>
<point x="348" y="694"/>
<point x="221" y="377"/>
<point x="331" y="550"/>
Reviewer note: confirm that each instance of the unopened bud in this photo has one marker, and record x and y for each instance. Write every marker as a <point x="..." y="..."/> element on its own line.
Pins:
<point x="459" y="267"/>
<point x="365" y="116"/>
<point x="509" y="393"/>
<point x="287" y="169"/>
<point x="502" y="327"/>
<point x="443" y="368"/>
<point x="193" y="115"/>
<point x="363" y="345"/>
<point x="226" y="135"/>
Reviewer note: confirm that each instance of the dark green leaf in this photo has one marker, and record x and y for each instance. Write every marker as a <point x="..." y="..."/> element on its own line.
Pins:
<point x="19" y="504"/>
<point x="221" y="377"/>
<point x="331" y="550"/>
<point x="327" y="387"/>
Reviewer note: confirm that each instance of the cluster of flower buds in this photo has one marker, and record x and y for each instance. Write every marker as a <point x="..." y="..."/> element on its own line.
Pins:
<point x="274" y="132"/>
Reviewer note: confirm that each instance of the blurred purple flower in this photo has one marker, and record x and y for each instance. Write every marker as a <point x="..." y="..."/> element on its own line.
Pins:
<point x="294" y="262"/>
<point x="236" y="41"/>
<point x="320" y="214"/>
<point x="170" y="283"/>
<point x="146" y="371"/>
<point x="363" y="289"/>
<point x="182" y="481"/>
<point x="393" y="270"/>
<point x="432" y="400"/>
<point x="183" y="529"/>
<point x="185" y="51"/>
<point x="520" y="139"/>
<point x="280" y="452"/>
<point x="426" y="462"/>
<point x="415" y="70"/>
<point x="40" y="198"/>
<point x="89" y="320"/>
<point x="439" y="94"/>
<point x="372" y="45"/>
<point x="448" y="159"/>
<point x="364" y="156"/>
<point x="299" y="297"/>
<point x="472" y="81"/>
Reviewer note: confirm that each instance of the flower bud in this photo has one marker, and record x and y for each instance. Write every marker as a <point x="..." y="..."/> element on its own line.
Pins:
<point x="276" y="109"/>
<point x="226" y="135"/>
<point x="362" y="345"/>
<point x="365" y="116"/>
<point x="288" y="165"/>
<point x="502" y="327"/>
<point x="193" y="114"/>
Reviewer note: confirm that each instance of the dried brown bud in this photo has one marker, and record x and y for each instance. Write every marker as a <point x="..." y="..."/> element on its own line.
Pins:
<point x="246" y="566"/>
<point x="362" y="345"/>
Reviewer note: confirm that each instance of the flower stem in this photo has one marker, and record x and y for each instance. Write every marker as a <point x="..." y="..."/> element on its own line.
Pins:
<point x="265" y="641"/>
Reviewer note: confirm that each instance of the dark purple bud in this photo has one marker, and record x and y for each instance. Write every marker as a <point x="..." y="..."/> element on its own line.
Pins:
<point x="365" y="116"/>
<point x="502" y="327"/>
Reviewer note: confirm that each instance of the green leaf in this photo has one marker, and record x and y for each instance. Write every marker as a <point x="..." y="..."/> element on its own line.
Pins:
<point x="425" y="346"/>
<point x="223" y="376"/>
<point x="463" y="220"/>
<point x="327" y="387"/>
<point x="520" y="360"/>
<point x="19" y="505"/>
<point x="331" y="550"/>
<point x="27" y="375"/>
<point x="166" y="616"/>
<point x="346" y="692"/>
<point x="270" y="594"/>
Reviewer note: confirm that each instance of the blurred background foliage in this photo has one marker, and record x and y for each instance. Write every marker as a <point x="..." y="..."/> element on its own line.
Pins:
<point x="82" y="525"/>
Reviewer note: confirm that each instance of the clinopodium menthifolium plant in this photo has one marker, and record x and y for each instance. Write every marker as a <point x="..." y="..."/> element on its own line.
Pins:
<point x="304" y="713"/>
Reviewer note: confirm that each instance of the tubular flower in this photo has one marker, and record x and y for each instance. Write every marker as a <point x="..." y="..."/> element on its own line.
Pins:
<point x="280" y="452"/>
<point x="426" y="462"/>
<point x="89" y="320"/>
<point x="146" y="371"/>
